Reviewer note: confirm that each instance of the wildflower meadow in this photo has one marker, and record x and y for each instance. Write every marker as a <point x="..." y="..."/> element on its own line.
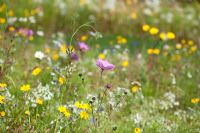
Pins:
<point x="99" y="66"/>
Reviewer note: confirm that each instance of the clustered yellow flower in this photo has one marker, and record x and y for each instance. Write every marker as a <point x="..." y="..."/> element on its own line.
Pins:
<point x="153" y="51"/>
<point x="2" y="113"/>
<point x="84" y="115"/>
<point x="133" y="15"/>
<point x="3" y="85"/>
<point x="36" y="71"/>
<point x="2" y="20"/>
<point x="64" y="110"/>
<point x="25" y="87"/>
<point x="145" y="27"/>
<point x="121" y="40"/>
<point x="39" y="101"/>
<point x="84" y="106"/>
<point x="195" y="100"/>
<point x="2" y="99"/>
<point x="61" y="80"/>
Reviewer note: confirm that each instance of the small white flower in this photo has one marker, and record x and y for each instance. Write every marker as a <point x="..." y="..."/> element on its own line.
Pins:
<point x="39" y="55"/>
<point x="40" y="33"/>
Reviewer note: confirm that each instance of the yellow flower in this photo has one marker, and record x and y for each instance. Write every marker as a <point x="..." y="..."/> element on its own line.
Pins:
<point x="36" y="71"/>
<point x="10" y="13"/>
<point x="55" y="56"/>
<point x="178" y="46"/>
<point x="67" y="114"/>
<point x="62" y="109"/>
<point x="47" y="50"/>
<point x="78" y="104"/>
<point x="84" y="115"/>
<point x="156" y="51"/>
<point x="171" y="35"/>
<point x="163" y="36"/>
<point x="83" y="38"/>
<point x="154" y="31"/>
<point x="2" y="7"/>
<point x="121" y="40"/>
<point x="183" y="41"/>
<point x="145" y="27"/>
<point x="2" y="99"/>
<point x="150" y="51"/>
<point x="101" y="56"/>
<point x="86" y="106"/>
<point x="3" y="85"/>
<point x="61" y="80"/>
<point x="25" y="87"/>
<point x="135" y="89"/>
<point x="31" y="38"/>
<point x="2" y="20"/>
<point x="124" y="63"/>
<point x="26" y="13"/>
<point x="193" y="48"/>
<point x="82" y="2"/>
<point x="63" y="48"/>
<point x="133" y="15"/>
<point x="11" y="28"/>
<point x="27" y="112"/>
<point x="39" y="101"/>
<point x="2" y="113"/>
<point x="195" y="100"/>
<point x="136" y="86"/>
<point x="190" y="42"/>
<point x="137" y="130"/>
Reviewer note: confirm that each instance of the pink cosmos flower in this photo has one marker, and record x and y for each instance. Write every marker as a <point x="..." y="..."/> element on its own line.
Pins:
<point x="83" y="46"/>
<point x="104" y="64"/>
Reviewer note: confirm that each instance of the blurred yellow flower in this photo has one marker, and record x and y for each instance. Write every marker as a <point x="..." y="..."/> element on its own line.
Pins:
<point x="2" y="113"/>
<point x="137" y="130"/>
<point x="82" y="2"/>
<point x="195" y="100"/>
<point x="26" y="13"/>
<point x="163" y="36"/>
<point x="190" y="42"/>
<point x="10" y="13"/>
<point x="133" y="15"/>
<point x="84" y="115"/>
<point x="25" y="88"/>
<point x="67" y="114"/>
<point x="154" y="31"/>
<point x="2" y="7"/>
<point x="55" y="56"/>
<point x="2" y="20"/>
<point x="171" y="35"/>
<point x="39" y="101"/>
<point x="145" y="27"/>
<point x="27" y="112"/>
<point x="3" y="85"/>
<point x="31" y="38"/>
<point x="193" y="48"/>
<point x="62" y="109"/>
<point x="156" y="51"/>
<point x="183" y="41"/>
<point x="84" y="38"/>
<point x="47" y="50"/>
<point x="2" y="99"/>
<point x="150" y="51"/>
<point x="101" y="56"/>
<point x="121" y="40"/>
<point x="63" y="48"/>
<point x="61" y="80"/>
<point x="11" y="28"/>
<point x="178" y="46"/>
<point x="36" y="71"/>
<point x="125" y="63"/>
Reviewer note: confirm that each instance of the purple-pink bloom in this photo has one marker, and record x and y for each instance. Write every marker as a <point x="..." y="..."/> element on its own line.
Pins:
<point x="83" y="46"/>
<point x="104" y="64"/>
<point x="74" y="56"/>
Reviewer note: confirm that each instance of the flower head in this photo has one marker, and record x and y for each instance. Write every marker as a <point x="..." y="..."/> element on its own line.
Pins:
<point x="104" y="64"/>
<point x="2" y="99"/>
<point x="25" y="87"/>
<point x="39" y="55"/>
<point x="83" y="46"/>
<point x="36" y="71"/>
<point x="84" y="115"/>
